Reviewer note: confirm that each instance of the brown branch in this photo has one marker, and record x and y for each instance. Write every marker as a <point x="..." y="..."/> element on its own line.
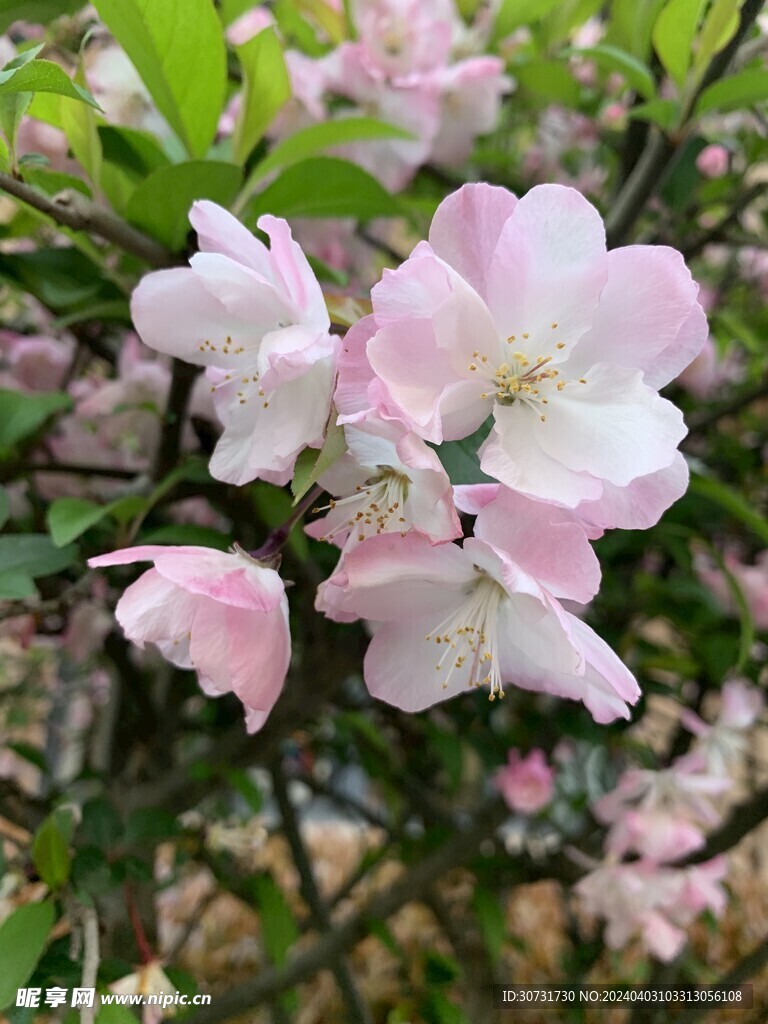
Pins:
<point x="319" y="915"/>
<point x="410" y="886"/>
<point x="739" y="823"/>
<point x="656" y="160"/>
<point x="73" y="210"/>
<point x="182" y="381"/>
<point x="746" y="968"/>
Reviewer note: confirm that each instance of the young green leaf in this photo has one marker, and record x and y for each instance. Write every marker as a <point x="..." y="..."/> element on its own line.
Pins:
<point x="50" y="852"/>
<point x="324" y="187"/>
<point x="673" y="36"/>
<point x="266" y="87"/>
<point x="33" y="554"/>
<point x="22" y="415"/>
<point x="160" y="204"/>
<point x="23" y="936"/>
<point x="311" y="464"/>
<point x="43" y="76"/>
<point x="737" y="91"/>
<point x="177" y="47"/>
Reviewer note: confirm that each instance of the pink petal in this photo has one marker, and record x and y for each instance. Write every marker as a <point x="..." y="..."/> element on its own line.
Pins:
<point x="218" y="231"/>
<point x="466" y="228"/>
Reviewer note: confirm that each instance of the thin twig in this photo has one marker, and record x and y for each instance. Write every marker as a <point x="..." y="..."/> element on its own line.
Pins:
<point x="90" y="960"/>
<point x="321" y="919"/>
<point x="73" y="210"/>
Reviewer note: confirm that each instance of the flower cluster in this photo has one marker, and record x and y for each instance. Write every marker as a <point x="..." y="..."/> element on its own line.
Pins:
<point x="659" y="818"/>
<point x="514" y="316"/>
<point x="415" y="65"/>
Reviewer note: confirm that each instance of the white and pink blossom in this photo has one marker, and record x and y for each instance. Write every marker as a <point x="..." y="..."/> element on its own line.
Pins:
<point x="515" y="310"/>
<point x="257" y="319"/>
<point x="223" y="615"/>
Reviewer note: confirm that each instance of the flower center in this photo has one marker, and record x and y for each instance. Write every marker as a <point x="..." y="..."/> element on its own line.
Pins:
<point x="522" y="377"/>
<point x="378" y="506"/>
<point x="471" y="632"/>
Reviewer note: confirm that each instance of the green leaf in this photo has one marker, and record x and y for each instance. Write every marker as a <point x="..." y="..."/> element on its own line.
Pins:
<point x="317" y="137"/>
<point x="491" y="920"/>
<point x="278" y="926"/>
<point x="460" y="460"/>
<point x="160" y="205"/>
<point x="635" y="72"/>
<point x="188" y="533"/>
<point x="311" y="464"/>
<point x="673" y="36"/>
<point x="630" y="25"/>
<point x="22" y="415"/>
<point x="324" y="187"/>
<point x="50" y="853"/>
<point x="231" y="10"/>
<point x="742" y="90"/>
<point x="43" y="76"/>
<point x="12" y="109"/>
<point x="550" y="80"/>
<point x="266" y="88"/>
<point x="16" y="586"/>
<point x="138" y="153"/>
<point x="51" y="182"/>
<point x="23" y="936"/>
<point x="719" y="28"/>
<point x="5" y="507"/>
<point x="68" y="518"/>
<point x="731" y="501"/>
<point x="62" y="279"/>
<point x="33" y="554"/>
<point x="514" y="13"/>
<point x="664" y="113"/>
<point x="37" y="11"/>
<point x="79" y="124"/>
<point x="177" y="47"/>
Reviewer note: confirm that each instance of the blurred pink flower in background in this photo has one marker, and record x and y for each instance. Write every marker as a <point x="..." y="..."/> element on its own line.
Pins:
<point x="713" y="161"/>
<point x="526" y="783"/>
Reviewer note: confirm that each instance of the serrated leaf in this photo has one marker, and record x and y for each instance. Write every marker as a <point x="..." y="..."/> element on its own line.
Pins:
<point x="160" y="204"/>
<point x="324" y="187"/>
<point x="310" y="467"/>
<point x="50" y="854"/>
<point x="177" y="47"/>
<point x="43" y="76"/>
<point x="22" y="415"/>
<point x="673" y="35"/>
<point x="266" y="88"/>
<point x="23" y="937"/>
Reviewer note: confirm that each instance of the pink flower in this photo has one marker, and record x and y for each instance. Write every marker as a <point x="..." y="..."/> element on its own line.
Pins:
<point x="256" y="317"/>
<point x="471" y="93"/>
<point x="515" y="310"/>
<point x="486" y="614"/>
<point x="658" y="836"/>
<point x="39" y="363"/>
<point x="753" y="580"/>
<point x="526" y="783"/>
<point x="224" y="615"/>
<point x="249" y="25"/>
<point x="683" y="790"/>
<point x="410" y="104"/>
<point x="713" y="161"/>
<point x="402" y="38"/>
<point x="389" y="481"/>
<point x="721" y="745"/>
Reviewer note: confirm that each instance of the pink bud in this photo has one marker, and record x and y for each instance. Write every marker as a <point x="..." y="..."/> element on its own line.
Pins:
<point x="713" y="161"/>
